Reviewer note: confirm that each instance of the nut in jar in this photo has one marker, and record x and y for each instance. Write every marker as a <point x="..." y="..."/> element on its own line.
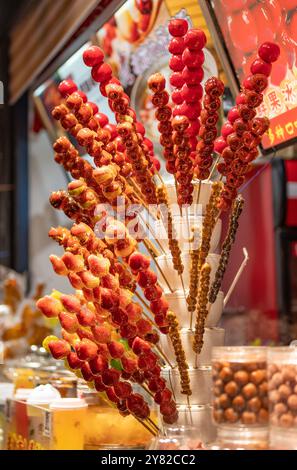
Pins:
<point x="282" y="386"/>
<point x="240" y="390"/>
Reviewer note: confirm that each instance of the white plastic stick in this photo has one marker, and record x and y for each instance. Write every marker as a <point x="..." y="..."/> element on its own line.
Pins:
<point x="238" y="274"/>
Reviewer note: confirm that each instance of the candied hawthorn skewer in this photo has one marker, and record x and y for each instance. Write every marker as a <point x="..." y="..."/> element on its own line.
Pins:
<point x="241" y="134"/>
<point x="183" y="162"/>
<point x="214" y="88"/>
<point x="226" y="248"/>
<point x="202" y="310"/>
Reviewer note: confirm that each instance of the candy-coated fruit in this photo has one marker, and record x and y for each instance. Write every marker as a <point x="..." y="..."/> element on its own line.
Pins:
<point x="47" y="340"/>
<point x="243" y="31"/>
<point x="146" y="278"/>
<point x="59" y="348"/>
<point x="178" y="27"/>
<point x="58" y="265"/>
<point x="140" y="346"/>
<point x="191" y="94"/>
<point x="49" y="306"/>
<point x="73" y="361"/>
<point x="110" y="377"/>
<point x="68" y="321"/>
<point x="101" y="73"/>
<point x="101" y="333"/>
<point x="123" y="390"/>
<point x="73" y="262"/>
<point x="176" y="63"/>
<point x="269" y="52"/>
<point x="129" y="364"/>
<point x="139" y="262"/>
<point x="233" y="5"/>
<point x="156" y="82"/>
<point x="176" y="79"/>
<point x="92" y="56"/>
<point x="227" y="129"/>
<point x="86" y="317"/>
<point x="116" y="349"/>
<point x="195" y="39"/>
<point x="99" y="385"/>
<point x="86" y="349"/>
<point x="193" y="59"/>
<point x="152" y="292"/>
<point x="70" y="303"/>
<point x="220" y="144"/>
<point x="176" y="45"/>
<point x="156" y="384"/>
<point x="67" y="87"/>
<point x="134" y="312"/>
<point x="193" y="76"/>
<point x="156" y="164"/>
<point x="98" y="364"/>
<point x="233" y="114"/>
<point x="94" y="107"/>
<point x="260" y="66"/>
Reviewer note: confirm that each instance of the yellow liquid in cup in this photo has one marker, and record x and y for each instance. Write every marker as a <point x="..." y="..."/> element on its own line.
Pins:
<point x="68" y="428"/>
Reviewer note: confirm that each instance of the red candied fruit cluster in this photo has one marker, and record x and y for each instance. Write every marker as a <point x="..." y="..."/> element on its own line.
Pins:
<point x="243" y="131"/>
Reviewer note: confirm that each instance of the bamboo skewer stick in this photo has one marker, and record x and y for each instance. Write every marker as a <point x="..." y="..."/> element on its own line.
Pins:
<point x="146" y="426"/>
<point x="164" y="356"/>
<point x="214" y="167"/>
<point x="238" y="274"/>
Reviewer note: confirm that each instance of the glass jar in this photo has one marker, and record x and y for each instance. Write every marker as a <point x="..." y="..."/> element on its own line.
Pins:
<point x="107" y="429"/>
<point x="177" y="438"/>
<point x="282" y="385"/>
<point x="240" y="389"/>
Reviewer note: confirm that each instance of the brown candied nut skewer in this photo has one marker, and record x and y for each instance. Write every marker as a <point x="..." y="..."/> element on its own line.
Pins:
<point x="202" y="310"/>
<point x="179" y="353"/>
<point x="172" y="241"/>
<point x="226" y="248"/>
<point x="210" y="219"/>
<point x="194" y="277"/>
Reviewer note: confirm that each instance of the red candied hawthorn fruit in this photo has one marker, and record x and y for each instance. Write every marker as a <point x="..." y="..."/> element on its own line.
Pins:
<point x="260" y="66"/>
<point x="146" y="278"/>
<point x="178" y="27"/>
<point x="153" y="292"/>
<point x="219" y="145"/>
<point x="193" y="59"/>
<point x="269" y="52"/>
<point x="139" y="262"/>
<point x="176" y="63"/>
<point x="176" y="46"/>
<point x="195" y="39"/>
<point x="93" y="56"/>
<point x="67" y="87"/>
<point x="101" y="73"/>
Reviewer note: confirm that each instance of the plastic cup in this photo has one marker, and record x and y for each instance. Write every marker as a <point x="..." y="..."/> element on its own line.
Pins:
<point x="68" y="423"/>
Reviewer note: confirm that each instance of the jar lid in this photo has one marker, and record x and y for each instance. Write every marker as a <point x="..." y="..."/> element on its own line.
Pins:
<point x="282" y="354"/>
<point x="239" y="353"/>
<point x="43" y="394"/>
<point x="68" y="404"/>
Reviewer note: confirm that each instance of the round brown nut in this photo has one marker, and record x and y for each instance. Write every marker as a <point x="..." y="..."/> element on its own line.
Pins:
<point x="254" y="404"/>
<point x="292" y="402"/>
<point x="286" y="420"/>
<point x="276" y="380"/>
<point x="289" y="374"/>
<point x="249" y="390"/>
<point x="274" y="396"/>
<point x="238" y="403"/>
<point x="226" y="374"/>
<point x="231" y="388"/>
<point x="216" y="404"/>
<point x="218" y="416"/>
<point x="230" y="415"/>
<point x="295" y="389"/>
<point x="219" y="384"/>
<point x="248" y="417"/>
<point x="263" y="389"/>
<point x="284" y="391"/>
<point x="258" y="376"/>
<point x="272" y="369"/>
<point x="263" y="416"/>
<point x="279" y="409"/>
<point x="265" y="402"/>
<point x="241" y="377"/>
<point x="224" y="401"/>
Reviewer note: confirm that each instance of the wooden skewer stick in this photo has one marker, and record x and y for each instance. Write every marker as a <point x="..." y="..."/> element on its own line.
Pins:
<point x="189" y="406"/>
<point x="214" y="167"/>
<point x="199" y="190"/>
<point x="238" y="274"/>
<point x="147" y="390"/>
<point x="146" y="426"/>
<point x="158" y="266"/>
<point x="153" y="424"/>
<point x="164" y="356"/>
<point x="183" y="285"/>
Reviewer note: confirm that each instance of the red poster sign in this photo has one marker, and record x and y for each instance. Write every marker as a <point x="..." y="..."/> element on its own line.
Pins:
<point x="245" y="25"/>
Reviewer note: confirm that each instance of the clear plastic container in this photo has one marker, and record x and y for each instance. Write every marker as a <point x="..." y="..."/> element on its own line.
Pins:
<point x="68" y="417"/>
<point x="178" y="304"/>
<point x="177" y="438"/>
<point x="201" y="382"/>
<point x="212" y="337"/>
<point x="282" y="384"/>
<point x="241" y="439"/>
<point x="240" y="389"/>
<point x="199" y="417"/>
